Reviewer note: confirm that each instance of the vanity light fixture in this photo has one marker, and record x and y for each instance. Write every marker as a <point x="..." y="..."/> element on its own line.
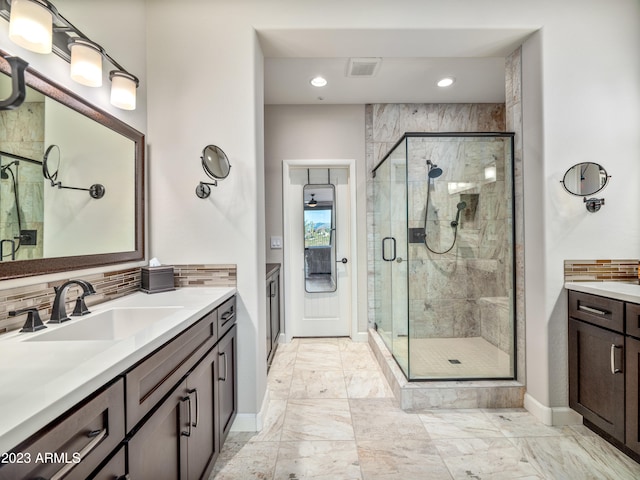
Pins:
<point x="446" y="82"/>
<point x="86" y="62"/>
<point x="318" y="81"/>
<point x="31" y="25"/>
<point x="38" y="26"/>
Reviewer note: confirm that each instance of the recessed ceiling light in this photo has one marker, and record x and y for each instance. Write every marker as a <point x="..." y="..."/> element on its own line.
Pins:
<point x="318" y="81"/>
<point x="446" y="82"/>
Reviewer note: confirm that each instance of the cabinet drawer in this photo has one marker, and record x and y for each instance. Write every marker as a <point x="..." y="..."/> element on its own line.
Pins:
<point x="226" y="316"/>
<point x="632" y="324"/>
<point x="601" y="311"/>
<point x="90" y="432"/>
<point x="152" y="379"/>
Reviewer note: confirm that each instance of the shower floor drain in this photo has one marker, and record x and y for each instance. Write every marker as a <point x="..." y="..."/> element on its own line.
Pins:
<point x="454" y="361"/>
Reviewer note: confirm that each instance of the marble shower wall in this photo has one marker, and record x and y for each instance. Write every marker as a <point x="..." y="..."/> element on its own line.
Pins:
<point x="22" y="132"/>
<point x="445" y="289"/>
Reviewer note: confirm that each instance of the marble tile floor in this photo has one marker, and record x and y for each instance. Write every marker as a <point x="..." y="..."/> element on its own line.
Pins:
<point x="332" y="416"/>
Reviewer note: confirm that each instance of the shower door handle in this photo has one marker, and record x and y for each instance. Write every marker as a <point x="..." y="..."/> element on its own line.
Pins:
<point x="394" y="249"/>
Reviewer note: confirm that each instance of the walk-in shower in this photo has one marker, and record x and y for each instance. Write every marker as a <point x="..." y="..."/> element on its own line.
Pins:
<point x="444" y="255"/>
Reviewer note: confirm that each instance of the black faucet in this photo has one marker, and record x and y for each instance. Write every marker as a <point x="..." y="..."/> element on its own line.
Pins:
<point x="33" y="323"/>
<point x="59" y="311"/>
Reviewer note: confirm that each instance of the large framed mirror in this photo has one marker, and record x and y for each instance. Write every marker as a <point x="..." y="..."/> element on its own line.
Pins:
<point x="319" y="238"/>
<point x="45" y="228"/>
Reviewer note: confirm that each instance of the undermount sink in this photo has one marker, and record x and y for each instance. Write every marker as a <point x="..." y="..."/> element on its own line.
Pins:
<point x="113" y="324"/>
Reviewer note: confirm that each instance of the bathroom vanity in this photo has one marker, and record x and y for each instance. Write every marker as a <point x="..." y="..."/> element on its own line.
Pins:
<point x="152" y="399"/>
<point x="604" y="360"/>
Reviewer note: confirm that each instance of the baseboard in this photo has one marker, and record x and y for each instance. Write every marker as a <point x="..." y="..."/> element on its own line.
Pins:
<point x="360" y="337"/>
<point x="252" y="422"/>
<point x="552" y="416"/>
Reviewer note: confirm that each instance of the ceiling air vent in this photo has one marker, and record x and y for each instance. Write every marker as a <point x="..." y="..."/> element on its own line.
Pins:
<point x="363" y="67"/>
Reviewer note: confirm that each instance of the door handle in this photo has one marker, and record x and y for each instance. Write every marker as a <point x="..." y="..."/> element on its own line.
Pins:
<point x="223" y="379"/>
<point x="188" y="432"/>
<point x="195" y="390"/>
<point x="394" y="249"/>
<point x="344" y="260"/>
<point x="614" y="369"/>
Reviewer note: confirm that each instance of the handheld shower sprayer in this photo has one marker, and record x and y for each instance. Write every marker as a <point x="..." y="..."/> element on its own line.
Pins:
<point x="461" y="206"/>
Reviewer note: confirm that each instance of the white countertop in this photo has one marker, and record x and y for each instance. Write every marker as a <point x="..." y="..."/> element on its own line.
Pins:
<point x="41" y="380"/>
<point x="628" y="292"/>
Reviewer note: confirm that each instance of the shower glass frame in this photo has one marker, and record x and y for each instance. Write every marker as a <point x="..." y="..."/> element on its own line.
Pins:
<point x="392" y="280"/>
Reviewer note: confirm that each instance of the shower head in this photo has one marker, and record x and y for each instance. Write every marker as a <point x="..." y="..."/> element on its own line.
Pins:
<point x="461" y="206"/>
<point x="434" y="170"/>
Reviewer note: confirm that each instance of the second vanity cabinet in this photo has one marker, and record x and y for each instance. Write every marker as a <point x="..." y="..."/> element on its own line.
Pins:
<point x="604" y="366"/>
<point x="273" y="310"/>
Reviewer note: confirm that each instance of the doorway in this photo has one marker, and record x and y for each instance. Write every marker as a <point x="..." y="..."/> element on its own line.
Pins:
<point x="319" y="248"/>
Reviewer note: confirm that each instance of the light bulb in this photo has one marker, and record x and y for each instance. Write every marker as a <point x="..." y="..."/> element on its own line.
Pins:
<point x="86" y="63"/>
<point x="31" y="26"/>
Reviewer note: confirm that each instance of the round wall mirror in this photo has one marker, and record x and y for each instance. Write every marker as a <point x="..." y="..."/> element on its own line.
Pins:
<point x="215" y="162"/>
<point x="584" y="179"/>
<point x="51" y="163"/>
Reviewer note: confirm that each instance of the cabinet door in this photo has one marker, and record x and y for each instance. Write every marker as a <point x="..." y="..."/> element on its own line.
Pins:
<point x="114" y="469"/>
<point x="275" y="310"/>
<point x="227" y="384"/>
<point x="596" y="376"/>
<point x="202" y="448"/>
<point x="159" y="448"/>
<point x="632" y="376"/>
<point x="269" y="322"/>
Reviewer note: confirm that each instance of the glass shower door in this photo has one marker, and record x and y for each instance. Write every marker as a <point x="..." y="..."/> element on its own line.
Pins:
<point x="390" y="238"/>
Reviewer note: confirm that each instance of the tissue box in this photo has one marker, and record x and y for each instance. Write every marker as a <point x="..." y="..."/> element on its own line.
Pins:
<point x="157" y="279"/>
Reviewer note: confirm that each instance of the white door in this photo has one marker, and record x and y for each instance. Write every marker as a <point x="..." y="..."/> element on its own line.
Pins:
<point x="327" y="313"/>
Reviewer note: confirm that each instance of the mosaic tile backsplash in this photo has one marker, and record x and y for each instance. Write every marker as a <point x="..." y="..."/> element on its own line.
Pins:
<point x="108" y="286"/>
<point x="601" y="270"/>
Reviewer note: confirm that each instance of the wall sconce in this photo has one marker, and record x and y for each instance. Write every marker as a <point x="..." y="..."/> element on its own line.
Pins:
<point x="38" y="26"/>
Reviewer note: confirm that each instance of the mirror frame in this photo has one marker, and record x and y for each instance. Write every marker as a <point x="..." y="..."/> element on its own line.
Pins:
<point x="205" y="164"/>
<point x="41" y="266"/>
<point x="602" y="169"/>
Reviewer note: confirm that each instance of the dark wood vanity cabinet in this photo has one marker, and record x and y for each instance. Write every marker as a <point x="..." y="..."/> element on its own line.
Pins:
<point x="165" y="418"/>
<point x="604" y="361"/>
<point x="180" y="439"/>
<point x="182" y="436"/>
<point x="273" y="309"/>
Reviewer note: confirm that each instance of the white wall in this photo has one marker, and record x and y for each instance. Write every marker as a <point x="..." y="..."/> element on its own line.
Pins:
<point x="303" y="132"/>
<point x="582" y="72"/>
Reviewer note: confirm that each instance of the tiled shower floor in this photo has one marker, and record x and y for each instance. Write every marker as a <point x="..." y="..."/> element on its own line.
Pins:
<point x="333" y="417"/>
<point x="438" y="357"/>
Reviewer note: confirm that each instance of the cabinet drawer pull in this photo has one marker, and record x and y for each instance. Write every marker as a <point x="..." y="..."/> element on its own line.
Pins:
<point x="86" y="450"/>
<point x="614" y="370"/>
<point x="188" y="432"/>
<point x="592" y="310"/>
<point x="226" y="316"/>
<point x="195" y="390"/>
<point x="223" y="379"/>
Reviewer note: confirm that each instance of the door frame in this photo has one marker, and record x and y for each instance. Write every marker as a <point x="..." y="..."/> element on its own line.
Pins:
<point x="287" y="166"/>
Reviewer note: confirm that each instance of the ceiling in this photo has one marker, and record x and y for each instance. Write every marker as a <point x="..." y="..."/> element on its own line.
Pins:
<point x="412" y="61"/>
